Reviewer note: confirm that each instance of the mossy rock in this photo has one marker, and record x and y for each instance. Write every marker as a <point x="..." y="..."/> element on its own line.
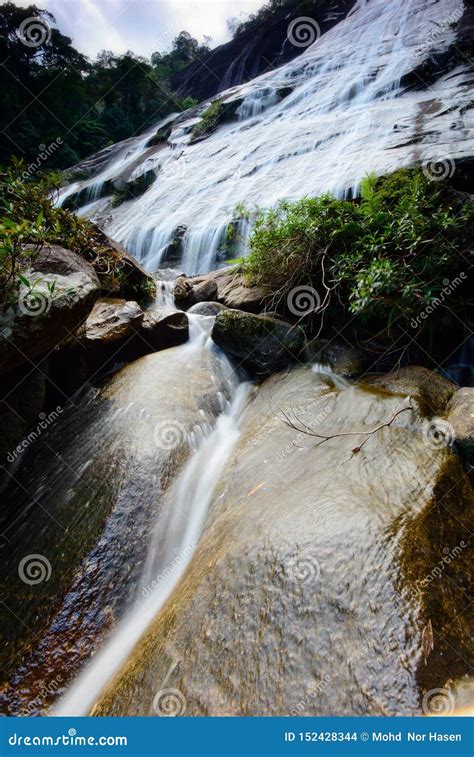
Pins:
<point x="264" y="344"/>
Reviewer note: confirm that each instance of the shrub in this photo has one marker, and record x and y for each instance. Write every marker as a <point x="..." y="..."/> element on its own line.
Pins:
<point x="385" y="255"/>
<point x="210" y="119"/>
<point x="28" y="216"/>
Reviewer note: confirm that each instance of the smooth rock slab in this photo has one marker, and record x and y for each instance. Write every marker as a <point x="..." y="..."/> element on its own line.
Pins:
<point x="312" y="586"/>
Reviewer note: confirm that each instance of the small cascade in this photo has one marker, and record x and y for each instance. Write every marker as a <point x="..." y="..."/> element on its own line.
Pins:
<point x="164" y="293"/>
<point x="256" y="103"/>
<point x="169" y="553"/>
<point x="324" y="369"/>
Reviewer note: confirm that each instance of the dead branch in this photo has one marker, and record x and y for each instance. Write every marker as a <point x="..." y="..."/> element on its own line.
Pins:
<point x="325" y="437"/>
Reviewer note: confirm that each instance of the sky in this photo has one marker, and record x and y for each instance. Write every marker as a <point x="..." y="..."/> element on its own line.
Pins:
<point x="143" y="26"/>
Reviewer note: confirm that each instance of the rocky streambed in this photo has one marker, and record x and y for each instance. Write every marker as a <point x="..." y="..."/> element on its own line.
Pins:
<point x="327" y="570"/>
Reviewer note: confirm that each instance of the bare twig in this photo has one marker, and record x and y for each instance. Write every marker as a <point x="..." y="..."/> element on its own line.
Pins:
<point x="325" y="437"/>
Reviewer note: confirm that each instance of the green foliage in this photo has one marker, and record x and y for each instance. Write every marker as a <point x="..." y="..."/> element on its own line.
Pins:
<point x="89" y="105"/>
<point x="28" y="217"/>
<point x="384" y="256"/>
<point x="209" y="120"/>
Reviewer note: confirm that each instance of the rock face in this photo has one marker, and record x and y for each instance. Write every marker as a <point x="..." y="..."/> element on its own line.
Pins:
<point x="164" y="327"/>
<point x="98" y="474"/>
<point x="429" y="388"/>
<point x="50" y="309"/>
<point x="111" y="320"/>
<point x="134" y="278"/>
<point x="311" y="587"/>
<point x="254" y="51"/>
<point x="262" y="343"/>
<point x="461" y="417"/>
<point x="232" y="290"/>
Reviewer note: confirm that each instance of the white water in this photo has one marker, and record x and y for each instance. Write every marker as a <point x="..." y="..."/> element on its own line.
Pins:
<point x="169" y="554"/>
<point x="346" y="116"/>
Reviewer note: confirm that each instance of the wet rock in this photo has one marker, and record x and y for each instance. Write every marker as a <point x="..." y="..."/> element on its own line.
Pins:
<point x="187" y="293"/>
<point x="111" y="321"/>
<point x="233" y="291"/>
<point x="309" y="590"/>
<point x="50" y="309"/>
<point x="262" y="343"/>
<point x="134" y="280"/>
<point x="163" y="327"/>
<point x="344" y="360"/>
<point x="206" y="291"/>
<point x="98" y="474"/>
<point x="429" y="388"/>
<point x="461" y="417"/>
<point x="182" y="290"/>
<point x="22" y="397"/>
<point x="206" y="308"/>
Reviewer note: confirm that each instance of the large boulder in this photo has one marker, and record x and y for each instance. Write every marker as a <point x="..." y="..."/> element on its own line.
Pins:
<point x="164" y="327"/>
<point x="61" y="293"/>
<point x="428" y="387"/>
<point x="233" y="290"/>
<point x="320" y="572"/>
<point x="134" y="280"/>
<point x="262" y="343"/>
<point x="206" y="309"/>
<point x="88" y="502"/>
<point x="111" y="321"/>
<point x="461" y="419"/>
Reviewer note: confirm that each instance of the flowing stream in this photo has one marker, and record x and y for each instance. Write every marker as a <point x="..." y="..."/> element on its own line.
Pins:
<point x="169" y="554"/>
<point x="116" y="486"/>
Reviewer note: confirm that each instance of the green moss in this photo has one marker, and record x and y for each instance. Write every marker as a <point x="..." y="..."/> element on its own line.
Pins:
<point x="133" y="189"/>
<point x="210" y="119"/>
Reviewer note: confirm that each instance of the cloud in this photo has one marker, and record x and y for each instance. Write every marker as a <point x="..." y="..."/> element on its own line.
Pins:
<point x="142" y="25"/>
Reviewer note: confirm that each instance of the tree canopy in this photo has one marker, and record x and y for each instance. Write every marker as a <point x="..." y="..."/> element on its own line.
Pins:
<point x="50" y="90"/>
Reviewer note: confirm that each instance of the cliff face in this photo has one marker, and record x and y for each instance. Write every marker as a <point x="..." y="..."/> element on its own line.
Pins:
<point x="260" y="48"/>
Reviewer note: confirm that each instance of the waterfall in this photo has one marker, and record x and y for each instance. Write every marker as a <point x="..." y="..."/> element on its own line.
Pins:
<point x="316" y="124"/>
<point x="169" y="553"/>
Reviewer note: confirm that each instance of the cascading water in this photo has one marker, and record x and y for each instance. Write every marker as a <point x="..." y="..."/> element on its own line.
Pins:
<point x="317" y="124"/>
<point x="169" y="553"/>
<point x="141" y="434"/>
